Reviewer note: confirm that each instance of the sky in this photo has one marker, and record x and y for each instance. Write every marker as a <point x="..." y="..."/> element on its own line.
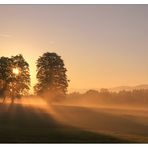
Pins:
<point x="102" y="46"/>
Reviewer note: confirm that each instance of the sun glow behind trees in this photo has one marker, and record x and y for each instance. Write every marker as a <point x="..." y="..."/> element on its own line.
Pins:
<point x="16" y="71"/>
<point x="96" y="46"/>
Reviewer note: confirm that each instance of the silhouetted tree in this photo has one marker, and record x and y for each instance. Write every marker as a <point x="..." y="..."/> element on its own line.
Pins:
<point x="19" y="85"/>
<point x="51" y="76"/>
<point x="14" y="85"/>
<point x="74" y="95"/>
<point x="5" y="70"/>
<point x="91" y="93"/>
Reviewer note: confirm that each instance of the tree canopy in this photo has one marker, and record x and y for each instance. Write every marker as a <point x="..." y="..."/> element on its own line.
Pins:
<point x="51" y="76"/>
<point x="14" y="77"/>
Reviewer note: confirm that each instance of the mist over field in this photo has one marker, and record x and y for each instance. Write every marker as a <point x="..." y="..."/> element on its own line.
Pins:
<point x="136" y="98"/>
<point x="53" y="59"/>
<point x="111" y="120"/>
<point x="126" y="122"/>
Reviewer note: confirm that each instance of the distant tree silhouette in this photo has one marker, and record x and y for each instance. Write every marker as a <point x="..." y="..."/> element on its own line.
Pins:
<point x="91" y="93"/>
<point x="74" y="95"/>
<point x="105" y="97"/>
<point x="14" y="85"/>
<point x="51" y="76"/>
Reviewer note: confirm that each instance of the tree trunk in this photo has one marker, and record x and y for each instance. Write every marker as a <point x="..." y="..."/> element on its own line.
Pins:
<point x="4" y="100"/>
<point x="12" y="100"/>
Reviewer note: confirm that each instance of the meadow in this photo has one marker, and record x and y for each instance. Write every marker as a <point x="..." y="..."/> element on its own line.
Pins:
<point x="33" y="120"/>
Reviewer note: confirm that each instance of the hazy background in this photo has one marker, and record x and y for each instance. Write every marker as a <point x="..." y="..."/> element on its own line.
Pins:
<point x="102" y="45"/>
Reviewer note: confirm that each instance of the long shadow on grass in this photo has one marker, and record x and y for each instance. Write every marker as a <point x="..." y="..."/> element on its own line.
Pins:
<point x="19" y="124"/>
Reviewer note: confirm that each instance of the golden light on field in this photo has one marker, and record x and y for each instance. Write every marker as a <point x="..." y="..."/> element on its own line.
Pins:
<point x="15" y="71"/>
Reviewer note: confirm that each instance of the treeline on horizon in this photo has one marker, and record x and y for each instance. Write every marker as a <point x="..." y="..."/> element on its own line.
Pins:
<point x="52" y="83"/>
<point x="104" y="96"/>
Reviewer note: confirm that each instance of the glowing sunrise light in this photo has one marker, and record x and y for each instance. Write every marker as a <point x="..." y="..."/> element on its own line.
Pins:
<point x="15" y="71"/>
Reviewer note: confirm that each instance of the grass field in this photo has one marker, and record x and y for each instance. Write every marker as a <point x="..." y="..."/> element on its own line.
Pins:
<point x="70" y="124"/>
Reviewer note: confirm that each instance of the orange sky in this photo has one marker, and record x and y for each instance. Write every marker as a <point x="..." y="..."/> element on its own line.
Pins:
<point x="101" y="45"/>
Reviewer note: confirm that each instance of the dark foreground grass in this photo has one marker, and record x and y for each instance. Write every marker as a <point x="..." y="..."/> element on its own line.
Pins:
<point x="19" y="124"/>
